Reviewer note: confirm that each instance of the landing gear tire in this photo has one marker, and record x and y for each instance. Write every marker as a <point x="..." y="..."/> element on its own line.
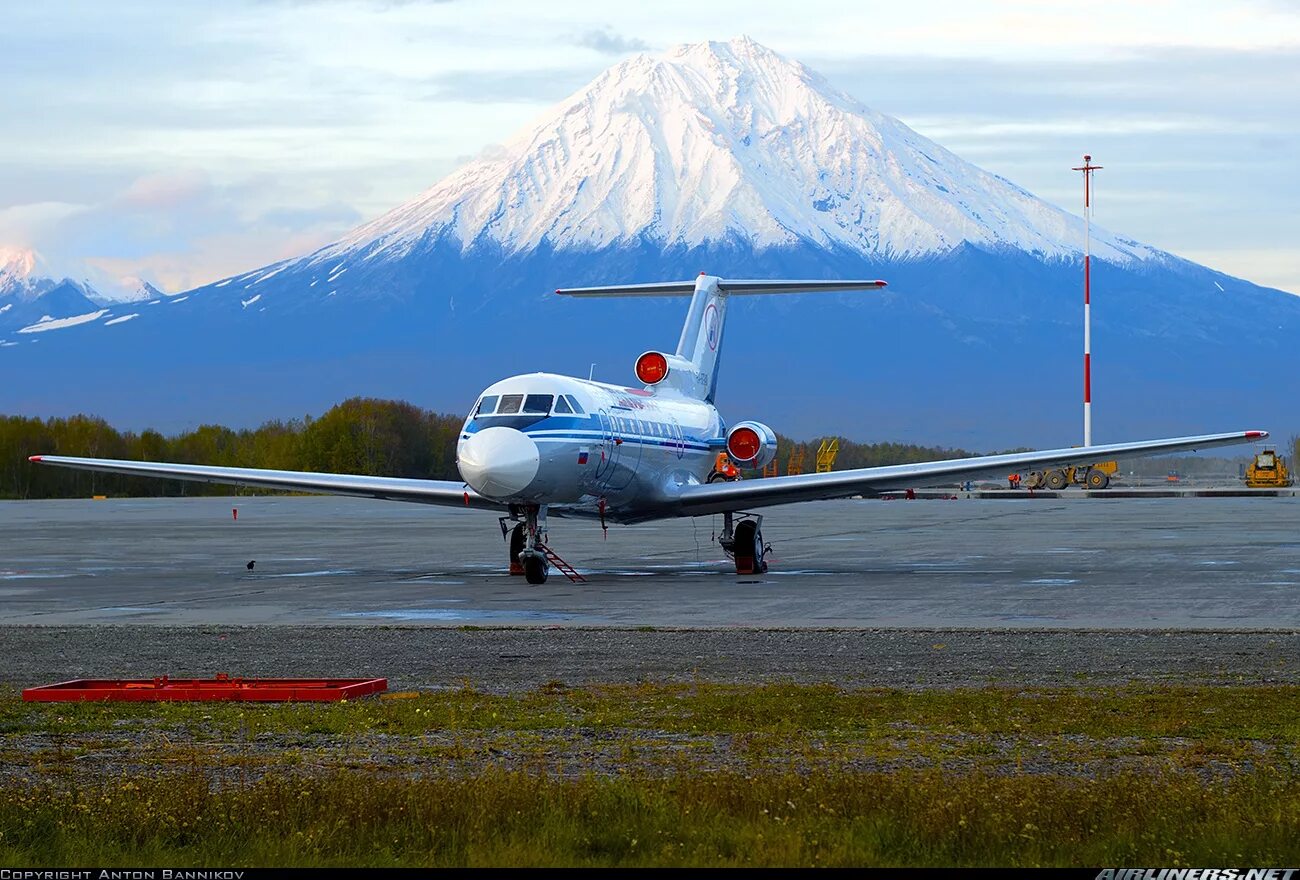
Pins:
<point x="536" y="569"/>
<point x="749" y="549"/>
<point x="1056" y="480"/>
<point x="517" y="535"/>
<point x="1097" y="479"/>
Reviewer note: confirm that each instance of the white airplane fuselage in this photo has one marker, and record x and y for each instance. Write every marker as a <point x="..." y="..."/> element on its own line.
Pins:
<point x="586" y="448"/>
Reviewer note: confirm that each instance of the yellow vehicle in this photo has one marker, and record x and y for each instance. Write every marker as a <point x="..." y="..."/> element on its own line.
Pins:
<point x="1268" y="471"/>
<point x="1094" y="476"/>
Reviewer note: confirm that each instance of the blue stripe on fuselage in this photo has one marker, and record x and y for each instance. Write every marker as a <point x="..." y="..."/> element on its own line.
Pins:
<point x="588" y="428"/>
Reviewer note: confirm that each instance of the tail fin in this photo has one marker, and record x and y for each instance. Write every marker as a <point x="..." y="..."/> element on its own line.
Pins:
<point x="694" y="369"/>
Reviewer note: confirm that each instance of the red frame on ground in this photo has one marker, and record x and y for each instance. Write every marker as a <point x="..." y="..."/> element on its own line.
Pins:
<point x="223" y="687"/>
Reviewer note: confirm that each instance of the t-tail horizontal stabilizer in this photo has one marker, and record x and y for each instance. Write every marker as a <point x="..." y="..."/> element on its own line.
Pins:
<point x="694" y="369"/>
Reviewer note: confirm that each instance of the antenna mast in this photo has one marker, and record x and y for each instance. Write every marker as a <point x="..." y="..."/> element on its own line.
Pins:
<point x="1087" y="168"/>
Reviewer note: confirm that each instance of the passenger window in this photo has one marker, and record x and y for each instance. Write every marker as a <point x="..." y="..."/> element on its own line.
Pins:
<point x="486" y="405"/>
<point x="510" y="403"/>
<point x="562" y="405"/>
<point x="538" y="403"/>
<point x="573" y="402"/>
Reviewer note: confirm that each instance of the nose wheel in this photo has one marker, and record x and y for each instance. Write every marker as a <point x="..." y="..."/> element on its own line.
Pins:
<point x="536" y="568"/>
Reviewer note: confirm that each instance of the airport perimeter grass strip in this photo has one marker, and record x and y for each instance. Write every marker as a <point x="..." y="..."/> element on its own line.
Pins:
<point x="787" y="775"/>
<point x="518" y="818"/>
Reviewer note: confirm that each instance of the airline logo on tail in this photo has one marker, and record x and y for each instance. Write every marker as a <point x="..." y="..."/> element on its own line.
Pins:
<point x="711" y="326"/>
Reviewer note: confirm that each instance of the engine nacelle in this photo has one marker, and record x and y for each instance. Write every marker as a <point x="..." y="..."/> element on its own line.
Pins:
<point x="751" y="444"/>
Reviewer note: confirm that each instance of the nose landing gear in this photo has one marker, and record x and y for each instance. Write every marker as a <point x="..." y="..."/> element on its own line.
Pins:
<point x="743" y="542"/>
<point x="529" y="555"/>
<point x="527" y="542"/>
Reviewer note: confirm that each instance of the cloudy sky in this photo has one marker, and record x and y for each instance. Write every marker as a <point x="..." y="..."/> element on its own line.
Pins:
<point x="185" y="142"/>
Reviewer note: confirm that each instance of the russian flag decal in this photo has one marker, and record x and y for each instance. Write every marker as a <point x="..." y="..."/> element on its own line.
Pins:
<point x="582" y="456"/>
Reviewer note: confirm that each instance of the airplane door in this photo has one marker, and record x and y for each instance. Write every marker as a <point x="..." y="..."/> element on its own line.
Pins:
<point x="679" y="444"/>
<point x="621" y="455"/>
<point x="608" y="451"/>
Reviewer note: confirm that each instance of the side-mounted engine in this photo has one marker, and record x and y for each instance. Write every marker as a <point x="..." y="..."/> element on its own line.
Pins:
<point x="751" y="444"/>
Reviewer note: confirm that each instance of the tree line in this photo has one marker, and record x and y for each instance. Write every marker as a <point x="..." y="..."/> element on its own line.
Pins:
<point x="358" y="436"/>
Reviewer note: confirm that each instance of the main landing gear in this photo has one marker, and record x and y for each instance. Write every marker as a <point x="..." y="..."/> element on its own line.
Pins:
<point x="529" y="555"/>
<point x="743" y="542"/>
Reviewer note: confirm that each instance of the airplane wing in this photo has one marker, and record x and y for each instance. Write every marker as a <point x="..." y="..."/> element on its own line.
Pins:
<point x="697" y="500"/>
<point x="446" y="493"/>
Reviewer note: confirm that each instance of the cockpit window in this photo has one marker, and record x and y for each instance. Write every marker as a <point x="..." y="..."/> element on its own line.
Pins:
<point x="486" y="405"/>
<point x="538" y="403"/>
<point x="573" y="402"/>
<point x="510" y="403"/>
<point x="562" y="405"/>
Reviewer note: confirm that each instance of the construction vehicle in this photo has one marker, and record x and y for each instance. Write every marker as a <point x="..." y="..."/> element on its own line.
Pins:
<point x="1092" y="476"/>
<point x="1268" y="471"/>
<point x="826" y="455"/>
<point x="724" y="469"/>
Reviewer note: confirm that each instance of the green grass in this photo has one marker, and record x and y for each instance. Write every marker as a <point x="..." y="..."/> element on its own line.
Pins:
<point x="662" y="774"/>
<point x="1265" y="712"/>
<point x="497" y="818"/>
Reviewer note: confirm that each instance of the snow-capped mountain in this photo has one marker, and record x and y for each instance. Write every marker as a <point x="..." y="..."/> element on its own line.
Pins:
<point x="730" y="158"/>
<point x="715" y="141"/>
<point x="128" y="290"/>
<point x="34" y="299"/>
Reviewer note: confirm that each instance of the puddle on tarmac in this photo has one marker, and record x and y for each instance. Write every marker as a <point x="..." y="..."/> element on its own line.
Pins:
<point x="467" y="614"/>
<point x="304" y="574"/>
<point x="32" y="575"/>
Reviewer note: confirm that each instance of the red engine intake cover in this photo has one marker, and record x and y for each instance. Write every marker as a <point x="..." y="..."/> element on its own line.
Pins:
<point x="744" y="444"/>
<point x="651" y="368"/>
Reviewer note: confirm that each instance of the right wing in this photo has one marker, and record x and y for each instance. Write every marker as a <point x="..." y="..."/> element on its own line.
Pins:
<point x="701" y="499"/>
<point x="441" y="492"/>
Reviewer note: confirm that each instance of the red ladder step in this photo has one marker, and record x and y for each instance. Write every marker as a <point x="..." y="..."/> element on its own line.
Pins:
<point x="567" y="570"/>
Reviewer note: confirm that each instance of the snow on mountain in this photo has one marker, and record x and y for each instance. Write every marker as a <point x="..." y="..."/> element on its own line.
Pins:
<point x="717" y="141"/>
<point x="23" y="274"/>
<point x="127" y="290"/>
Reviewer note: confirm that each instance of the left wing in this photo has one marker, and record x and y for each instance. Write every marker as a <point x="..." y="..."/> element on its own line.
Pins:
<point x="441" y="492"/>
<point x="697" y="500"/>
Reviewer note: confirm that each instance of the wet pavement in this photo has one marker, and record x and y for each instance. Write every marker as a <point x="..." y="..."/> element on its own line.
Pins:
<point x="1200" y="563"/>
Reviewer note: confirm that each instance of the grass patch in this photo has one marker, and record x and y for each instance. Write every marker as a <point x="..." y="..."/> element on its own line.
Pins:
<point x="661" y="774"/>
<point x="1259" y="713"/>
<point x="495" y="818"/>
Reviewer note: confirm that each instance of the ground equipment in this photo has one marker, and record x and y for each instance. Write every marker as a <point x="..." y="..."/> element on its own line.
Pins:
<point x="826" y="454"/>
<point x="1268" y="471"/>
<point x="1094" y="476"/>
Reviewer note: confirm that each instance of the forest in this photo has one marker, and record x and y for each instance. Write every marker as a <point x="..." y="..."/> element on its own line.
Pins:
<point x="358" y="436"/>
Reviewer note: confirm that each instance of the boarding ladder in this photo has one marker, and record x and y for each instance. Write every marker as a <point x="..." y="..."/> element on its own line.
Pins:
<point x="567" y="570"/>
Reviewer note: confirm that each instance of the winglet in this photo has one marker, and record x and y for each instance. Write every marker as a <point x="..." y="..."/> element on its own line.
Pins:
<point x="34" y="458"/>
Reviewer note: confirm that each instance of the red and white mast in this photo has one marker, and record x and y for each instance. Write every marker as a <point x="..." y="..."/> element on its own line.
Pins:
<point x="1087" y="168"/>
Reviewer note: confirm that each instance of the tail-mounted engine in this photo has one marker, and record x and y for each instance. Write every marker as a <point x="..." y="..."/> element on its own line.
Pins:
<point x="751" y="444"/>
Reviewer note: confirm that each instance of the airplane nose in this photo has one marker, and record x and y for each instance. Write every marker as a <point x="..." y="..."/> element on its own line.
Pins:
<point x="498" y="462"/>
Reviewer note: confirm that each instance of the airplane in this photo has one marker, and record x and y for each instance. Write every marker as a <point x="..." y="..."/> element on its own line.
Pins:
<point x="543" y="444"/>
